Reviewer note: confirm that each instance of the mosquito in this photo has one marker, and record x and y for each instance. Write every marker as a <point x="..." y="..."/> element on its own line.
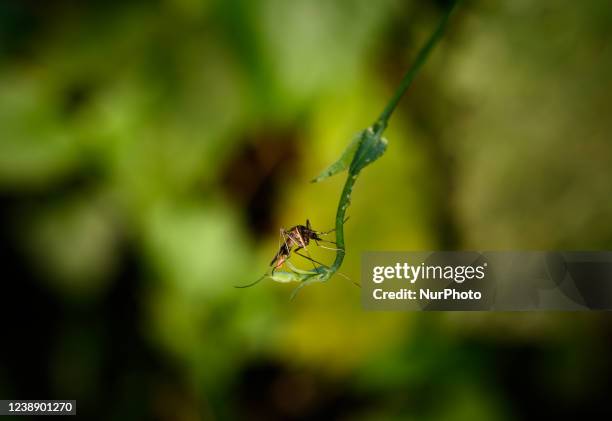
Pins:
<point x="299" y="237"/>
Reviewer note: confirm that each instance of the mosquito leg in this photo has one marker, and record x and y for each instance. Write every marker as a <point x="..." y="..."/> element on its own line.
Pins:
<point x="278" y="253"/>
<point x="281" y="237"/>
<point x="297" y="251"/>
<point x="252" y="283"/>
<point x="330" y="242"/>
<point x="308" y="258"/>
<point x="348" y="279"/>
<point x="284" y="235"/>
<point x="302" y="245"/>
<point x="313" y="261"/>
<point x="334" y="229"/>
<point x="327" y="241"/>
<point x="329" y="248"/>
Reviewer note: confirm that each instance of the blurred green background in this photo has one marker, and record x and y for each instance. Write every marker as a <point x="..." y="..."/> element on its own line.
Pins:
<point x="150" y="151"/>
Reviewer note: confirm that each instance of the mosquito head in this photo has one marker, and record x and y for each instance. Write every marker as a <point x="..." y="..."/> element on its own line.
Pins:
<point x="315" y="236"/>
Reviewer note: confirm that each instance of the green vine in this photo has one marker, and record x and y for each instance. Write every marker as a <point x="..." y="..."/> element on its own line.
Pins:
<point x="370" y="144"/>
<point x="367" y="147"/>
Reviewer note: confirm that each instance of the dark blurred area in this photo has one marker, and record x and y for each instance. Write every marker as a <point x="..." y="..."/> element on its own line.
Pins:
<point x="150" y="151"/>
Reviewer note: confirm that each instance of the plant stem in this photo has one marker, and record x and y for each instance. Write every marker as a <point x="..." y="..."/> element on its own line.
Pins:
<point x="383" y="119"/>
<point x="345" y="199"/>
<point x="379" y="127"/>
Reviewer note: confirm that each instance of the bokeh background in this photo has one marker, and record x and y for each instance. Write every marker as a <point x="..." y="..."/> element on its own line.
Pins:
<point x="151" y="150"/>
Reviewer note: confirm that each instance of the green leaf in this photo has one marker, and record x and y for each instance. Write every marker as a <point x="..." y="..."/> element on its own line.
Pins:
<point x="365" y="148"/>
<point x="371" y="147"/>
<point x="344" y="161"/>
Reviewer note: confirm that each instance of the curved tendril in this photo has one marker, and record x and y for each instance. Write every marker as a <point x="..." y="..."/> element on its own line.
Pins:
<point x="252" y="283"/>
<point x="349" y="279"/>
